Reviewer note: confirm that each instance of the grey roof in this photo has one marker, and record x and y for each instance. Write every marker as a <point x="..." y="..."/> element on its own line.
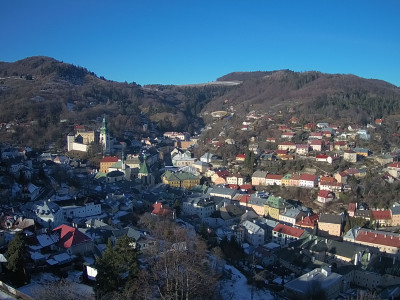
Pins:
<point x="291" y="213"/>
<point x="222" y="191"/>
<point x="259" y="174"/>
<point x="395" y="210"/>
<point x="328" y="218"/>
<point x="302" y="283"/>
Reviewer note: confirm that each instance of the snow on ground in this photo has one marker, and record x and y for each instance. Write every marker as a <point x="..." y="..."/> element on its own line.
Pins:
<point x="237" y="288"/>
<point x="5" y="296"/>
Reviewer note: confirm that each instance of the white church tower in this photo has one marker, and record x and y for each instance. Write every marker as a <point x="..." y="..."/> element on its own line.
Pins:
<point x="105" y="139"/>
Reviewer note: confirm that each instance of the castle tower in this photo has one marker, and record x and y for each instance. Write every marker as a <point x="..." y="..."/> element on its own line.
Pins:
<point x="105" y="140"/>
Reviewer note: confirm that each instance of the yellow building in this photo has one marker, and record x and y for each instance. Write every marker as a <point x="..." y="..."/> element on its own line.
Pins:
<point x="180" y="179"/>
<point x="107" y="162"/>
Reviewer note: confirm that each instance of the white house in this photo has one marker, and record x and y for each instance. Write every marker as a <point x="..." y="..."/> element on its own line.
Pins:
<point x="308" y="180"/>
<point x="254" y="234"/>
<point x="84" y="211"/>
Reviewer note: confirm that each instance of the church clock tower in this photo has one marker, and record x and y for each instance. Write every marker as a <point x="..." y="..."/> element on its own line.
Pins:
<point x="105" y="140"/>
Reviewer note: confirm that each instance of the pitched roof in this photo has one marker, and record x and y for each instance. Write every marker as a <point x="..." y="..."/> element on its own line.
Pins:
<point x="160" y="210"/>
<point x="352" y="207"/>
<point x="289" y="230"/>
<point x="308" y="177"/>
<point x="309" y="221"/>
<point x="381" y="214"/>
<point x="378" y="237"/>
<point x="324" y="194"/>
<point x="109" y="159"/>
<point x="274" y="176"/>
<point x="70" y="236"/>
<point x="328" y="218"/>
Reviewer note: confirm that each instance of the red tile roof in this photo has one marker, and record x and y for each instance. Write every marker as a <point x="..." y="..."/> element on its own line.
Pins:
<point x="274" y="176"/>
<point x="325" y="179"/>
<point x="316" y="143"/>
<point x="107" y="159"/>
<point x="244" y="199"/>
<point x="321" y="156"/>
<point x="308" y="177"/>
<point x="246" y="187"/>
<point x="325" y="194"/>
<point x="70" y="236"/>
<point x="381" y="214"/>
<point x="289" y="230"/>
<point x="241" y="156"/>
<point x="233" y="186"/>
<point x="309" y="221"/>
<point x="379" y="238"/>
<point x="160" y="210"/>
<point x="352" y="207"/>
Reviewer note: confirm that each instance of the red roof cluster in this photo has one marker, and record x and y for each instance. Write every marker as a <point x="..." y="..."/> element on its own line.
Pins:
<point x="244" y="199"/>
<point x="289" y="230"/>
<point x="70" y="236"/>
<point x="375" y="237"/>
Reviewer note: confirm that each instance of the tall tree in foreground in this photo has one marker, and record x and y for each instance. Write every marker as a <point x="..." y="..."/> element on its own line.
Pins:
<point x="180" y="267"/>
<point x="116" y="267"/>
<point x="17" y="258"/>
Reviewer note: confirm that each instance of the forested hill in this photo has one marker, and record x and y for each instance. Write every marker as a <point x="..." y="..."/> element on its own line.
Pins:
<point x="337" y="95"/>
<point x="44" y="98"/>
<point x="37" y="93"/>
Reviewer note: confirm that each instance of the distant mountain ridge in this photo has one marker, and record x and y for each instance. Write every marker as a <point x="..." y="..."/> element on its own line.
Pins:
<point x="44" y="91"/>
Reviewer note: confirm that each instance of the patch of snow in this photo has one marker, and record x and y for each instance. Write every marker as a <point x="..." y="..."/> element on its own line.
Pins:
<point x="237" y="288"/>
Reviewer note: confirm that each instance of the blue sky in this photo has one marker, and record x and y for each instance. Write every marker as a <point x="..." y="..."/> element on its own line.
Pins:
<point x="181" y="42"/>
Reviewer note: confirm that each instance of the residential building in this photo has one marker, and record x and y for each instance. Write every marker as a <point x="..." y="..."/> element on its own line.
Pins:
<point x="361" y="151"/>
<point x="283" y="234"/>
<point x="350" y="156"/>
<point x="329" y="224"/>
<point x="180" y="179"/>
<point x="258" y="178"/>
<point x="325" y="196"/>
<point x="287" y="146"/>
<point x="47" y="213"/>
<point x="302" y="149"/>
<point x="329" y="282"/>
<point x="254" y="234"/>
<point x="235" y="179"/>
<point x="273" y="179"/>
<point x="316" y="145"/>
<point x="81" y="211"/>
<point x="240" y="157"/>
<point x="382" y="217"/>
<point x="309" y="221"/>
<point x="395" y="212"/>
<point x="198" y="205"/>
<point x="286" y="179"/>
<point x="294" y="180"/>
<point x="308" y="180"/>
<point x="72" y="240"/>
<point x="386" y="242"/>
<point x="257" y="204"/>
<point x="107" y="162"/>
<point x="291" y="216"/>
<point x="273" y="206"/>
